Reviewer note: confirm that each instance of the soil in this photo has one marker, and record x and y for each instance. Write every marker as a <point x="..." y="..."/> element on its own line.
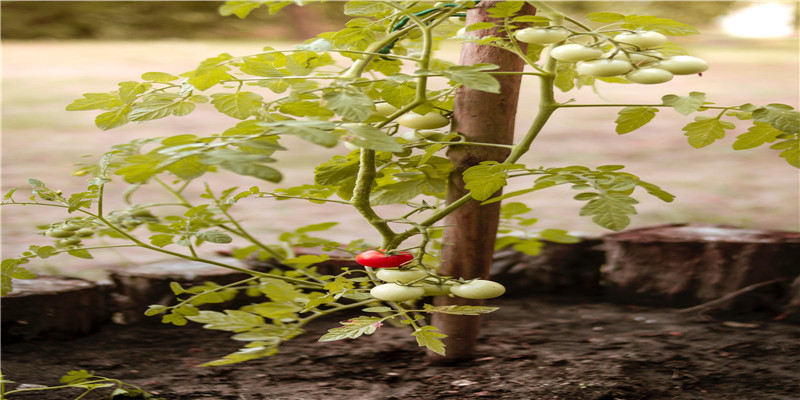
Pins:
<point x="529" y="349"/>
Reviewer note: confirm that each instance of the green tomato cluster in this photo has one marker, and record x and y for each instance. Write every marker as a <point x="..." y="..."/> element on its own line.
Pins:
<point x="410" y="284"/>
<point x="633" y="55"/>
<point x="69" y="233"/>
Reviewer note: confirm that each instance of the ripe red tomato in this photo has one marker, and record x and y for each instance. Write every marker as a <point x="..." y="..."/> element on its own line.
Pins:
<point x="379" y="259"/>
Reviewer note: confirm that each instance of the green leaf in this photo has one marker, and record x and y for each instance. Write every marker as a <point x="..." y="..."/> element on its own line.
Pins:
<point x="96" y="101"/>
<point x="472" y="77"/>
<point x="214" y="237"/>
<point x="364" y="8"/>
<point x="353" y="328"/>
<point x="791" y="151"/>
<point x="77" y="376"/>
<point x="430" y="337"/>
<point x="210" y="72"/>
<point x="610" y="210"/>
<point x="150" y="110"/>
<point x="80" y="253"/>
<point x="780" y="116"/>
<point x="758" y="134"/>
<point x="238" y="8"/>
<point x="113" y="119"/>
<point x="239" y="105"/>
<point x="558" y="236"/>
<point x="160" y="77"/>
<point x="351" y="105"/>
<point x="505" y="9"/>
<point x="665" y="26"/>
<point x="373" y="138"/>
<point x="317" y="132"/>
<point x="259" y="171"/>
<point x="605" y="17"/>
<point x="11" y="269"/>
<point x="305" y="109"/>
<point x="685" y="104"/>
<point x="459" y="310"/>
<point x="395" y="193"/>
<point x="705" y="131"/>
<point x="565" y="76"/>
<point x="231" y="320"/>
<point x="634" y="117"/>
<point x="485" y="179"/>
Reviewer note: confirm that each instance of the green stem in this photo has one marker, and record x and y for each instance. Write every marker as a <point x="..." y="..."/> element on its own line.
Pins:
<point x="364" y="181"/>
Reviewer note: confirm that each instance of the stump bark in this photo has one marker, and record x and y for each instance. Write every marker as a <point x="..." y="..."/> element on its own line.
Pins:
<point x="684" y="265"/>
<point x="139" y="287"/>
<point x="54" y="307"/>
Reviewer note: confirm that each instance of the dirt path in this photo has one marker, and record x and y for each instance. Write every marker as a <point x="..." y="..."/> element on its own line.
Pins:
<point x="529" y="349"/>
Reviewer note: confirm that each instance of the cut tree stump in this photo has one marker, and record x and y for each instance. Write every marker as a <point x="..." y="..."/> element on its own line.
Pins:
<point x="560" y="268"/>
<point x="684" y="265"/>
<point x="139" y="287"/>
<point x="54" y="307"/>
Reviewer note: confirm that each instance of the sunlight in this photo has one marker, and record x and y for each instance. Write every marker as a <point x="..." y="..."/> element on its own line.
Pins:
<point x="761" y="20"/>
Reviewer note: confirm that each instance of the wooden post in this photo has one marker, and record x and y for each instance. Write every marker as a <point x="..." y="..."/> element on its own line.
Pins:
<point x="470" y="231"/>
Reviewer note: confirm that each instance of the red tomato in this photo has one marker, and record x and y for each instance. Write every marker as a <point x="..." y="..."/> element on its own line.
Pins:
<point x="378" y="259"/>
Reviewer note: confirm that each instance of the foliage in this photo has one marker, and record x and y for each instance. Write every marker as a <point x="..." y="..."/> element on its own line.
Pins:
<point x="325" y="93"/>
<point x="86" y="381"/>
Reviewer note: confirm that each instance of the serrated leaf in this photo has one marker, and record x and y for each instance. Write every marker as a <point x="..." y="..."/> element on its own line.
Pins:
<point x="505" y="9"/>
<point x="430" y="337"/>
<point x="685" y="104"/>
<point x="399" y="192"/>
<point x="665" y="26"/>
<point x="377" y="309"/>
<point x="558" y="236"/>
<point x="353" y="328"/>
<point x="791" y="151"/>
<point x="610" y="210"/>
<point x="351" y="105"/>
<point x="703" y="132"/>
<point x="96" y="101"/>
<point x="231" y="320"/>
<point x="634" y="117"/>
<point x="758" y="134"/>
<point x="112" y="119"/>
<point x="76" y="376"/>
<point x="239" y="105"/>
<point x="238" y="8"/>
<point x="780" y="116"/>
<point x="485" y="179"/>
<point x="364" y="8"/>
<point x="459" y="310"/>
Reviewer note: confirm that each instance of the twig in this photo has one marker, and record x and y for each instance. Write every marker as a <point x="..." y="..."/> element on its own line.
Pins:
<point x="730" y="296"/>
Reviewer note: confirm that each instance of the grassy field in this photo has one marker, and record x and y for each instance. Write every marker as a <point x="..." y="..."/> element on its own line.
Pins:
<point x="752" y="188"/>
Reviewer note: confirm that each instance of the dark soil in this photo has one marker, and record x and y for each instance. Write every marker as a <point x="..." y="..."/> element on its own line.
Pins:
<point x="529" y="349"/>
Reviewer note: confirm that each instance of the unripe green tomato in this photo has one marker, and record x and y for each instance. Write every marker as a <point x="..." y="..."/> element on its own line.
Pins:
<point x="575" y="52"/>
<point x="604" y="68"/>
<point x="431" y="120"/>
<point x="649" y="76"/>
<point x="639" y="57"/>
<point x="400" y="275"/>
<point x="69" y="227"/>
<point x="385" y="109"/>
<point x="84" y="232"/>
<point x="131" y="223"/>
<point x="435" y="290"/>
<point x="478" y="289"/>
<point x="404" y="153"/>
<point x="642" y="40"/>
<point x="683" y="65"/>
<point x="60" y="233"/>
<point x="395" y="292"/>
<point x="68" y="242"/>
<point x="541" y="35"/>
<point x="141" y="212"/>
<point x="457" y="20"/>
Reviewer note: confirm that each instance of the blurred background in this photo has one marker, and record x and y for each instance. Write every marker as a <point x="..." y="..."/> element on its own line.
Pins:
<point x="53" y="52"/>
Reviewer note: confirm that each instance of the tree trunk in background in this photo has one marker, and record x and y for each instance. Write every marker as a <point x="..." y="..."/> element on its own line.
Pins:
<point x="470" y="231"/>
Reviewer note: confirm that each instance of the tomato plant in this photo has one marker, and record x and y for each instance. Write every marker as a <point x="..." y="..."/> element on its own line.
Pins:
<point x="360" y="86"/>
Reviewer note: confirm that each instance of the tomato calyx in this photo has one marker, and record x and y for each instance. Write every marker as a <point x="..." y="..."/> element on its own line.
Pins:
<point x="383" y="259"/>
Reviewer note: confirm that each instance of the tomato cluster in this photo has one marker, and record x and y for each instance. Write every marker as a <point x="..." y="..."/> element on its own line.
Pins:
<point x="632" y="56"/>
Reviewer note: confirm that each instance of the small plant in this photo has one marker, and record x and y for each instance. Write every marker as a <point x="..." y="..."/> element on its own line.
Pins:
<point x="350" y="88"/>
<point x="86" y="381"/>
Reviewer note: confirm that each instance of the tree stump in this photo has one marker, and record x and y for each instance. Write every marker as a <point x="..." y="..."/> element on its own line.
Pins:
<point x="54" y="307"/>
<point x="560" y="268"/>
<point x="139" y="287"/>
<point x="683" y="265"/>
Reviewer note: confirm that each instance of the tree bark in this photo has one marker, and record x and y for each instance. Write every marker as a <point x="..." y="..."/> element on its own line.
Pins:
<point x="470" y="231"/>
